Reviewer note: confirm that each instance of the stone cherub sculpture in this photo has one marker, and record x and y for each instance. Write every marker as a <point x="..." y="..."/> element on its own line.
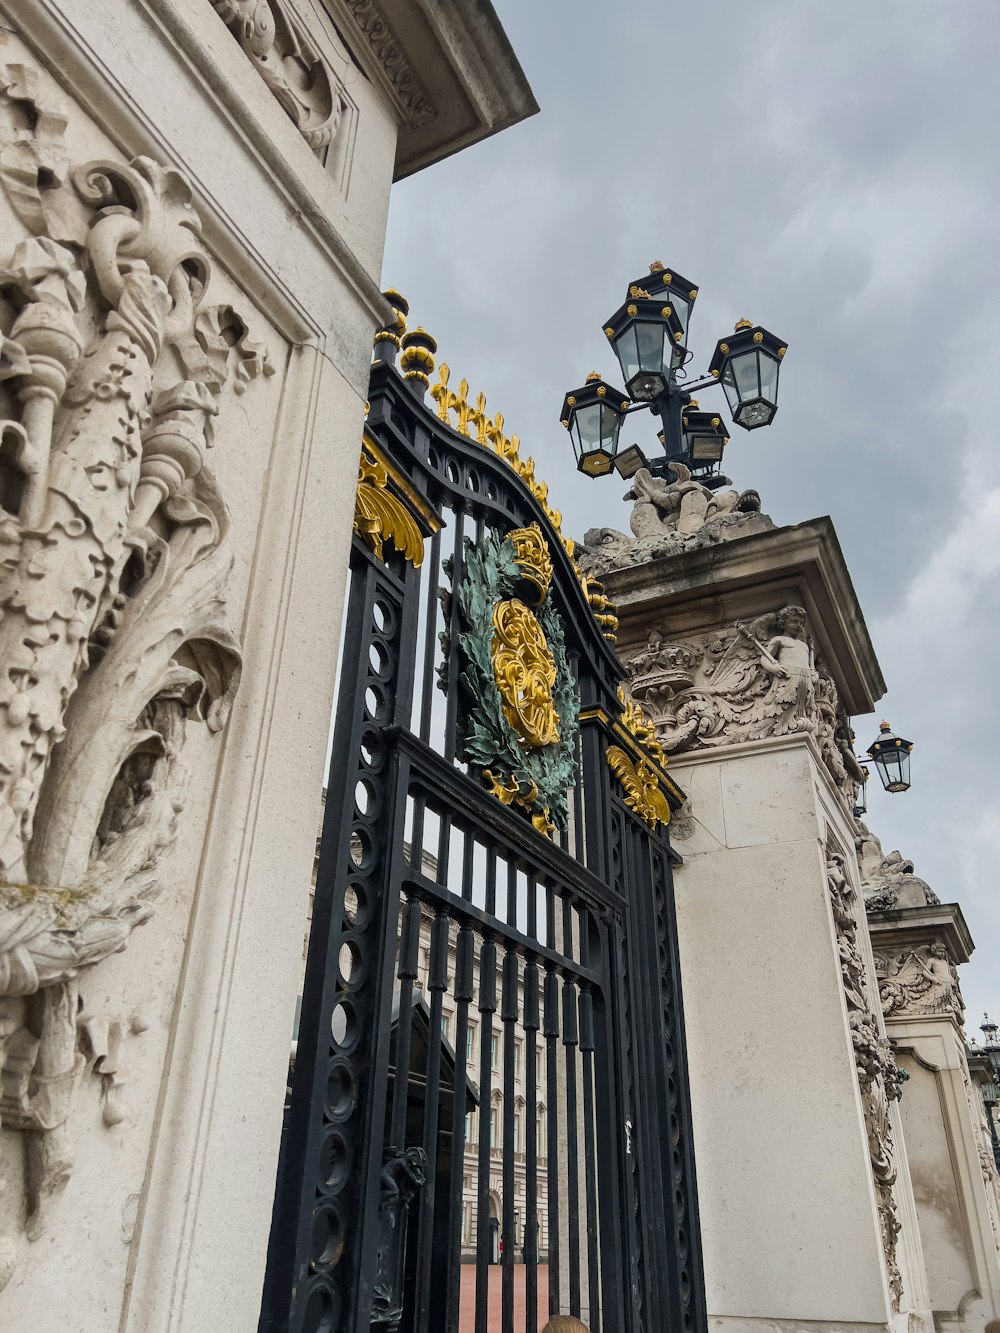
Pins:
<point x="683" y="505"/>
<point x="669" y="515"/>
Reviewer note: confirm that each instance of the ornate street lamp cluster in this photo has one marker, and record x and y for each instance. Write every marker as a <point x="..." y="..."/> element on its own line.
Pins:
<point x="649" y="336"/>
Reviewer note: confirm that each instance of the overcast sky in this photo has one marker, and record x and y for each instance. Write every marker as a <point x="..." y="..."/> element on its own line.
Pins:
<point x="829" y="171"/>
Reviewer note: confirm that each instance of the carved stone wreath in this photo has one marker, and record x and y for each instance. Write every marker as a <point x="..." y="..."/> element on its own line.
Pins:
<point x="519" y="726"/>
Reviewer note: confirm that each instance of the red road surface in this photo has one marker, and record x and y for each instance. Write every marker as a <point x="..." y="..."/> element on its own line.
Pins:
<point x="467" y="1304"/>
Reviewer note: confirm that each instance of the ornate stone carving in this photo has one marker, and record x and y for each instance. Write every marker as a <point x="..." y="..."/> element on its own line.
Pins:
<point x="878" y="1077"/>
<point x="671" y="516"/>
<point x="888" y="882"/>
<point x="984" y="1150"/>
<point x="747" y="683"/>
<point x="388" y="52"/>
<point x="919" y="981"/>
<point x="113" y="567"/>
<point x="282" y="53"/>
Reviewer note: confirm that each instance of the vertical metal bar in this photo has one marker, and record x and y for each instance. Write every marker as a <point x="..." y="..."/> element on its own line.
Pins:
<point x="454" y="627"/>
<point x="590" y="1154"/>
<point x="487" y="1008"/>
<point x="432" y="575"/>
<point x="464" y="960"/>
<point x="550" y="1031"/>
<point x="407" y="975"/>
<point x="508" y="1015"/>
<point x="570" y="1038"/>
<point x="531" y="1024"/>
<point x="437" y="984"/>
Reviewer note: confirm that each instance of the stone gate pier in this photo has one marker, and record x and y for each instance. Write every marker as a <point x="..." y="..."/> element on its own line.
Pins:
<point x="747" y="649"/>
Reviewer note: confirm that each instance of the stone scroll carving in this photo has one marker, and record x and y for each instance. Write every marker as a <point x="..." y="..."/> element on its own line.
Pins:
<point x="282" y="53"/>
<point x="670" y="516"/>
<point x="387" y="51"/>
<point x="752" y="681"/>
<point x="919" y="981"/>
<point x="114" y="561"/>
<point x="878" y="1077"/>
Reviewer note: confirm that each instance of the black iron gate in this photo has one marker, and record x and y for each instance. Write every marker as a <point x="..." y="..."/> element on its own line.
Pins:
<point x="489" y="1119"/>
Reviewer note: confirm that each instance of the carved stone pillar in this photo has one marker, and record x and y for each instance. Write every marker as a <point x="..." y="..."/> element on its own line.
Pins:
<point x="919" y="943"/>
<point x="747" y="649"/>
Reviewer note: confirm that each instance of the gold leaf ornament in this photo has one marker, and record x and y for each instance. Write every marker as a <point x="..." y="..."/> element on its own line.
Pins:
<point x="525" y="672"/>
<point x="641" y="786"/>
<point x="380" y="517"/>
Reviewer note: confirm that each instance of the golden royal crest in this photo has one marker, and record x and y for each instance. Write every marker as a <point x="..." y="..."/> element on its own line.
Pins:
<point x="525" y="673"/>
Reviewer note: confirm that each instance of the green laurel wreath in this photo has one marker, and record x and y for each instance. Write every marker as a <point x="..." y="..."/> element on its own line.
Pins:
<point x="486" y="741"/>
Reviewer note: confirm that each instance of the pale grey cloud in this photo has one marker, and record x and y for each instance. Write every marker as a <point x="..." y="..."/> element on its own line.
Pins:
<point x="832" y="173"/>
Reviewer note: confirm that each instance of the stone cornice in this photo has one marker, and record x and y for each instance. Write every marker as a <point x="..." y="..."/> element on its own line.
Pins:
<point x="446" y="67"/>
<point x="910" y="927"/>
<point x="719" y="584"/>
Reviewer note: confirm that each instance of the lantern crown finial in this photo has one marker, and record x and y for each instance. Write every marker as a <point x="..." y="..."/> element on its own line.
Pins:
<point x="656" y="266"/>
<point x="594" y="375"/>
<point x="742" y="323"/>
<point x="884" y="726"/>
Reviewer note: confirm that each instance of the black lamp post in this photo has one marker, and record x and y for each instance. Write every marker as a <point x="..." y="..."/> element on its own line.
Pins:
<point x="891" y="755"/>
<point x="649" y="336"/>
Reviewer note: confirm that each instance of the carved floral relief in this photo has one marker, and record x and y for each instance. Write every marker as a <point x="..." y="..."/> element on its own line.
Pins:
<point x="878" y="1077"/>
<point x="751" y="681"/>
<point x="114" y="561"/>
<point x="919" y="981"/>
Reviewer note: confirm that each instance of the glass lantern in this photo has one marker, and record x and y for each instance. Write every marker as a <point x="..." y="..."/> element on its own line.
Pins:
<point x="748" y="364"/>
<point x="891" y="755"/>
<point x="593" y="416"/>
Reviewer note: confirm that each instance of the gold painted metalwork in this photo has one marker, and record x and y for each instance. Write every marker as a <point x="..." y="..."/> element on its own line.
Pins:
<point x="594" y="375"/>
<point x="636" y="723"/>
<point x="782" y="351"/>
<point x="601" y="391"/>
<point x="601" y="605"/>
<point x="471" y="420"/>
<point x="511" y="794"/>
<point x="641" y="786"/>
<point x="638" y="292"/>
<point x="743" y="323"/>
<point x="758" y="337"/>
<point x="531" y="555"/>
<point x="656" y="266"/>
<point x="525" y="672"/>
<point x="609" y="332"/>
<point x="380" y="517"/>
<point x="417" y="360"/>
<point x="632" y="309"/>
<point x="723" y="348"/>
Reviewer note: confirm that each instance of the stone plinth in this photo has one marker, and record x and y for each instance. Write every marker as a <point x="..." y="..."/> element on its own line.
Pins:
<point x="954" y="1176"/>
<point x="749" y="656"/>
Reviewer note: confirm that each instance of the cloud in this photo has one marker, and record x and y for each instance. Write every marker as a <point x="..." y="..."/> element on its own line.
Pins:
<point x="830" y="177"/>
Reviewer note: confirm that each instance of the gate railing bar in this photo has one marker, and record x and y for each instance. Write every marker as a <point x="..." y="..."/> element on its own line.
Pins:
<point x="508" y="1016"/>
<point x="590" y="1150"/>
<point x="464" y="992"/>
<point x="407" y="974"/>
<point x="531" y="1025"/>
<point x="470" y="914"/>
<point x="453" y="628"/>
<point x="570" y="1038"/>
<point x="550" y="1031"/>
<point x="437" y="984"/>
<point x="432" y="576"/>
<point x="469" y="803"/>
<point x="487" y="1008"/>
